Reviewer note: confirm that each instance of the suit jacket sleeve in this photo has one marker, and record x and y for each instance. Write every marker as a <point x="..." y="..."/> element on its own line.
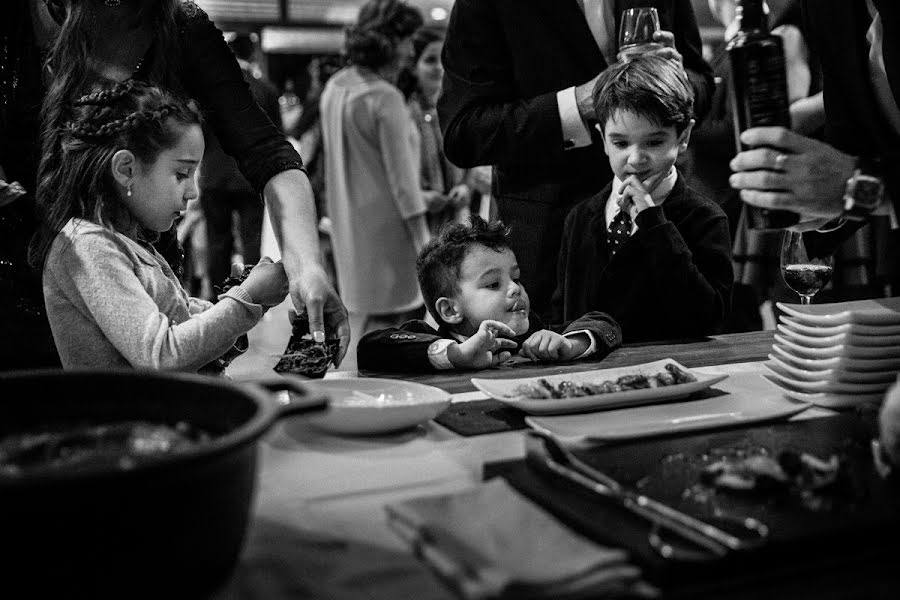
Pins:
<point x="401" y="349"/>
<point x="483" y="120"/>
<point x="700" y="275"/>
<point x="606" y="332"/>
<point x="483" y="117"/>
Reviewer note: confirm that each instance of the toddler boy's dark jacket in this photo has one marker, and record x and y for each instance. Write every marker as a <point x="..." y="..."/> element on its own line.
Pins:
<point x="405" y="348"/>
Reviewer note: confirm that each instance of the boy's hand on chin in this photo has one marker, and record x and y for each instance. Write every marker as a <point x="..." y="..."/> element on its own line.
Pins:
<point x="484" y="349"/>
<point x="547" y="345"/>
<point x="636" y="192"/>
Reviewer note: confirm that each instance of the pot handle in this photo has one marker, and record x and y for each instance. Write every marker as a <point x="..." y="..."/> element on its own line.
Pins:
<point x="300" y="399"/>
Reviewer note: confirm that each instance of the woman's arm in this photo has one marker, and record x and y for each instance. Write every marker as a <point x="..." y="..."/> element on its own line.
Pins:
<point x="265" y="157"/>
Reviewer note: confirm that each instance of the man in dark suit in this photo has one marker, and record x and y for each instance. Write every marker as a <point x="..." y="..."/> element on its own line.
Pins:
<point x="518" y="76"/>
<point x="854" y="178"/>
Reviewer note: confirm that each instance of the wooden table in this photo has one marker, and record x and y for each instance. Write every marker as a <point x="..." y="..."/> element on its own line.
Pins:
<point x="319" y="528"/>
<point x="715" y="350"/>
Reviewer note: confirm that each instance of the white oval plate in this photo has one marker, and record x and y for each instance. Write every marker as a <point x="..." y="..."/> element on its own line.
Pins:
<point x="371" y="405"/>
<point x="841" y="339"/>
<point x="880" y="311"/>
<point x="833" y="387"/>
<point x="851" y="328"/>
<point x="867" y="365"/>
<point x="664" y="419"/>
<point x="847" y="350"/>
<point x="824" y="399"/>
<point x="840" y="375"/>
<point x="505" y="389"/>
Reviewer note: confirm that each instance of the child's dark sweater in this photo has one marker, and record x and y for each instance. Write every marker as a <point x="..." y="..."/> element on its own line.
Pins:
<point x="671" y="279"/>
<point x="404" y="349"/>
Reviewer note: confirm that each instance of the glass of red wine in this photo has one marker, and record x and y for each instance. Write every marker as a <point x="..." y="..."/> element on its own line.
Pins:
<point x="803" y="274"/>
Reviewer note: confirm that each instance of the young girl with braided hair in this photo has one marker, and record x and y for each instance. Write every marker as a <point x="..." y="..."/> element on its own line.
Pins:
<point x="127" y="166"/>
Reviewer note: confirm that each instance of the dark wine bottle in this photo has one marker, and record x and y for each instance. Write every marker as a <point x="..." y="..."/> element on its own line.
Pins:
<point x="759" y="94"/>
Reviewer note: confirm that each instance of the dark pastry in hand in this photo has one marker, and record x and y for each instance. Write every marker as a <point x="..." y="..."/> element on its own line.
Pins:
<point x="305" y="356"/>
<point x="217" y="366"/>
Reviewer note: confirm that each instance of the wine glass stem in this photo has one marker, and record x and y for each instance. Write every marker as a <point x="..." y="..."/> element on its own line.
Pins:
<point x="804" y="299"/>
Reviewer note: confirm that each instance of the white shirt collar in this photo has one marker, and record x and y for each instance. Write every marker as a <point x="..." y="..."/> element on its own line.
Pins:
<point x="659" y="195"/>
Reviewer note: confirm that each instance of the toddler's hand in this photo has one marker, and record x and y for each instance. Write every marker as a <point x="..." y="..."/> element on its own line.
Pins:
<point x="484" y="349"/>
<point x="267" y="283"/>
<point x="548" y="345"/>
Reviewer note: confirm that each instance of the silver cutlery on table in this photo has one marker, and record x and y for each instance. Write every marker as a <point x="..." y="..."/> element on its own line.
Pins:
<point x="546" y="452"/>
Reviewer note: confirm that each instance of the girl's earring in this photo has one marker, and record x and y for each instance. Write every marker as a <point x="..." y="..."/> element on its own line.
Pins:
<point x="128" y="190"/>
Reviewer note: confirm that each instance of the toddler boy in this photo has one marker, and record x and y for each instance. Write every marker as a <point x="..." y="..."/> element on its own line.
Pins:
<point x="469" y="278"/>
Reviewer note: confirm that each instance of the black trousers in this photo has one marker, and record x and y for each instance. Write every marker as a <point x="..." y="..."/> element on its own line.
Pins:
<point x="219" y="207"/>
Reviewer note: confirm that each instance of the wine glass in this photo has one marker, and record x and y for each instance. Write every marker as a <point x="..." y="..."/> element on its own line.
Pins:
<point x="636" y="31"/>
<point x="803" y="274"/>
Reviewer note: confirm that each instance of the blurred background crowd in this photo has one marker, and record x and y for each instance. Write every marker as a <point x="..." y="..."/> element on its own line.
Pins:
<point x="290" y="65"/>
<point x="312" y="63"/>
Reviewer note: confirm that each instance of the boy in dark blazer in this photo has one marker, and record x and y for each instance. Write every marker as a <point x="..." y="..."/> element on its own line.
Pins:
<point x="647" y="250"/>
<point x="469" y="278"/>
<point x="516" y="95"/>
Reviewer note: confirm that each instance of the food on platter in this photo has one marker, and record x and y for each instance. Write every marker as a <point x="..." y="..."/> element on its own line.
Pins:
<point x="544" y="389"/>
<point x="812" y="481"/>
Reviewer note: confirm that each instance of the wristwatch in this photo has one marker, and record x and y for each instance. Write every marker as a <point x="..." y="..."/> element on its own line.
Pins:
<point x="864" y="191"/>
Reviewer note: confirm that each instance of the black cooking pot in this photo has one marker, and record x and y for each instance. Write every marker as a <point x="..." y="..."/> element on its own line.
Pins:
<point x="171" y="527"/>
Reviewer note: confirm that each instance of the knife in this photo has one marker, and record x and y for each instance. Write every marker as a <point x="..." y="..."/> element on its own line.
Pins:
<point x="544" y="451"/>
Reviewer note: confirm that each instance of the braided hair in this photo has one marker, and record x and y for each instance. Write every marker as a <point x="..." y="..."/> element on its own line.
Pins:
<point x="139" y="117"/>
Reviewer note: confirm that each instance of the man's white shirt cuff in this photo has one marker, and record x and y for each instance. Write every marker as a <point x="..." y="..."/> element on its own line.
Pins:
<point x="575" y="134"/>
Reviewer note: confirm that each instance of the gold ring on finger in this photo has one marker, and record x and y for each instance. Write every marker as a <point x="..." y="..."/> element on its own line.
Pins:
<point x="779" y="161"/>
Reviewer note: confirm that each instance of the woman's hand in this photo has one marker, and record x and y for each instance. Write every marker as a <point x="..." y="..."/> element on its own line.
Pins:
<point x="460" y="196"/>
<point x="435" y="201"/>
<point x="484" y="349"/>
<point x="785" y="170"/>
<point x="9" y="192"/>
<point x="324" y="308"/>
<point x="546" y="345"/>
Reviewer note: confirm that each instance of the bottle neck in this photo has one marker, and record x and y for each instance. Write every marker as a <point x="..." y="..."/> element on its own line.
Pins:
<point x="752" y="16"/>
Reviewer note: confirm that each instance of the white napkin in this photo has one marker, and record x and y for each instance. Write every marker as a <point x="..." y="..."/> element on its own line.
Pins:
<point x="490" y="541"/>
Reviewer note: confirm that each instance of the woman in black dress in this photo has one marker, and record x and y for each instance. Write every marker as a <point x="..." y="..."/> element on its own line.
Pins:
<point x="50" y="51"/>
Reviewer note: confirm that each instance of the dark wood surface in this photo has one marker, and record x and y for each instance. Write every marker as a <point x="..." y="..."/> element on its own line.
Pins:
<point x="715" y="350"/>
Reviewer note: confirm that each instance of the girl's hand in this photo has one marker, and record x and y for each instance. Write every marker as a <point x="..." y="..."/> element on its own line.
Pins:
<point x="546" y="345"/>
<point x="267" y="283"/>
<point x="435" y="201"/>
<point x="484" y="349"/>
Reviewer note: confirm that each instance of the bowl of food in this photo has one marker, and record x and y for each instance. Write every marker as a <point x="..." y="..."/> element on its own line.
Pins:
<point x="375" y="406"/>
<point x="130" y="483"/>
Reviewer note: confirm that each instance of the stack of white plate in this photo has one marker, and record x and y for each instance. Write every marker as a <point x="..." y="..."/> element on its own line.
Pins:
<point x="836" y="355"/>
